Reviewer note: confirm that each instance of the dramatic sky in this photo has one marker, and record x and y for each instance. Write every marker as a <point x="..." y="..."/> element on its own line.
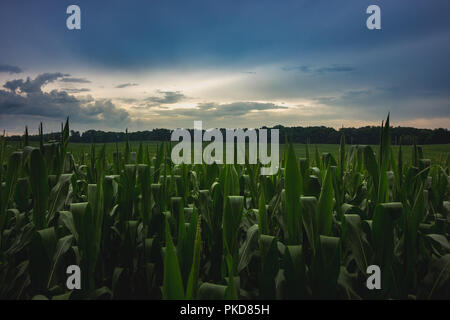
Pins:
<point x="230" y="63"/>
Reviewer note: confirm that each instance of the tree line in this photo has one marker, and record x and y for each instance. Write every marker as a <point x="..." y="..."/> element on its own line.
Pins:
<point x="317" y="134"/>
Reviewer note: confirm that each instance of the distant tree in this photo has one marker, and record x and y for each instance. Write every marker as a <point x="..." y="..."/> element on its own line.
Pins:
<point x="317" y="134"/>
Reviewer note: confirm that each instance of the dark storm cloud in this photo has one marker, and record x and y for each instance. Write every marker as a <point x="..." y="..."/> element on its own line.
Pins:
<point x="9" y="69"/>
<point x="124" y="85"/>
<point x="30" y="86"/>
<point x="57" y="104"/>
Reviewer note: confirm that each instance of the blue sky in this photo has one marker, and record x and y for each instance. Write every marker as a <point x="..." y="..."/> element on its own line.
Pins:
<point x="146" y="64"/>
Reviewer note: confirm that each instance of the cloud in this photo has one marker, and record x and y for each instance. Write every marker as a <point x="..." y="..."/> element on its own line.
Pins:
<point x="297" y="68"/>
<point x="128" y="100"/>
<point x="30" y="86"/>
<point x="168" y="97"/>
<point x="237" y="108"/>
<point x="58" y="104"/>
<point x="403" y="104"/>
<point x="239" y="114"/>
<point x="212" y="110"/>
<point x="335" y="68"/>
<point x="9" y="69"/>
<point x="105" y="110"/>
<point x="74" y="90"/>
<point x="244" y="114"/>
<point x="124" y="85"/>
<point x="75" y="80"/>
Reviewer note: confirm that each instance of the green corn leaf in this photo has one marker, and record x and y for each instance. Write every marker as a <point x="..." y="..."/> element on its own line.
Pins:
<point x="6" y="191"/>
<point x="58" y="195"/>
<point x="248" y="248"/>
<point x="211" y="291"/>
<point x="383" y="240"/>
<point x="66" y="219"/>
<point x="232" y="216"/>
<point x="295" y="272"/>
<point x="269" y="266"/>
<point x="84" y="221"/>
<point x="62" y="246"/>
<point x="42" y="248"/>
<point x="293" y="189"/>
<point x="186" y="248"/>
<point x="172" y="283"/>
<point x="355" y="239"/>
<point x="342" y="158"/>
<point x="191" y="290"/>
<point x="325" y="205"/>
<point x="263" y="222"/>
<point x="326" y="268"/>
<point x="310" y="220"/>
<point x="39" y="188"/>
<point x="231" y="290"/>
<point x="371" y="166"/>
<point x="436" y="282"/>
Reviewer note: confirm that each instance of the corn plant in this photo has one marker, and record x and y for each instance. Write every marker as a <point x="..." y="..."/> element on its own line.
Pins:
<point x="140" y="227"/>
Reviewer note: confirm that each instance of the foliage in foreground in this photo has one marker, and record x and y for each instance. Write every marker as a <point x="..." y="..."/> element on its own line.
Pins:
<point x="140" y="227"/>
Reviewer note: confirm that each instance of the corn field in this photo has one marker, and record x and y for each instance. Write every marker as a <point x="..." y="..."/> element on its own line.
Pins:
<point x="140" y="227"/>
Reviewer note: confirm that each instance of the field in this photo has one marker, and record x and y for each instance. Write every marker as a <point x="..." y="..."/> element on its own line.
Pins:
<point x="336" y="222"/>
<point x="437" y="153"/>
